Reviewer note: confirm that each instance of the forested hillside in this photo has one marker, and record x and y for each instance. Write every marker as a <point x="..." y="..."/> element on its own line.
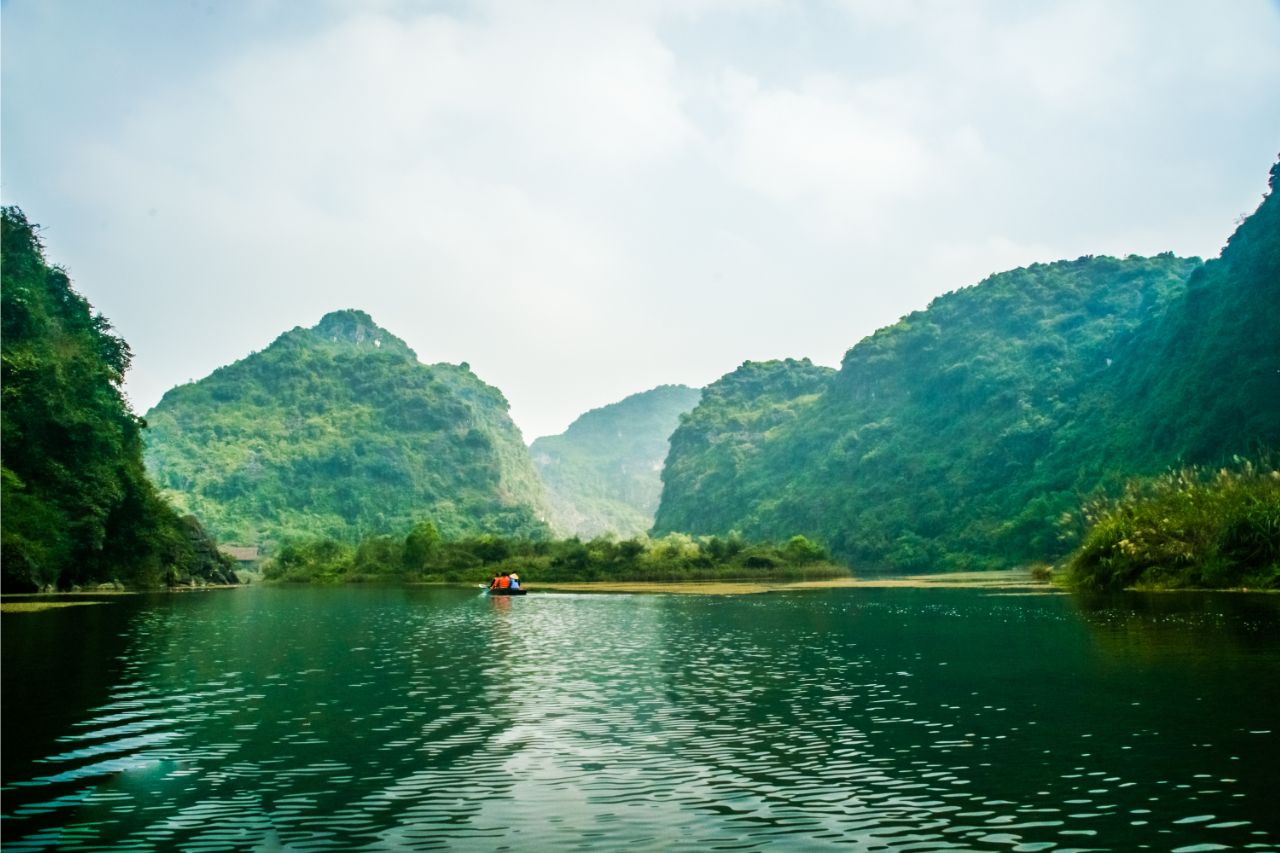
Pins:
<point x="969" y="434"/>
<point x="78" y="507"/>
<point x="938" y="443"/>
<point x="339" y="431"/>
<point x="1204" y="380"/>
<point x="1199" y="387"/>
<point x="603" y="474"/>
<point x="713" y="463"/>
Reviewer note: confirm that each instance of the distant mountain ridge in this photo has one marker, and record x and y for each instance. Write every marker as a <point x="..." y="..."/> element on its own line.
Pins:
<point x="338" y="430"/>
<point x="603" y="473"/>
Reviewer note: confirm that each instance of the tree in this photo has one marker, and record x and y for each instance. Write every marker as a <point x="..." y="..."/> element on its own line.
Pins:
<point x="420" y="545"/>
<point x="78" y="507"/>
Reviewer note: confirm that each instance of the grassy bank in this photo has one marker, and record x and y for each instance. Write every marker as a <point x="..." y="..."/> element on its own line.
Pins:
<point x="1190" y="528"/>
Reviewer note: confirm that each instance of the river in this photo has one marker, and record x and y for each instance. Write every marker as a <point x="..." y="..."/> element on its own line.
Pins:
<point x="394" y="718"/>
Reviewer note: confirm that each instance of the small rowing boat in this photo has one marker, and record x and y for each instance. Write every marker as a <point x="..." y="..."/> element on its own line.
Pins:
<point x="507" y="591"/>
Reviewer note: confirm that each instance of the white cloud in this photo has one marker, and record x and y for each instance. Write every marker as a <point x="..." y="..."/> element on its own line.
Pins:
<point x="819" y="145"/>
<point x="587" y="199"/>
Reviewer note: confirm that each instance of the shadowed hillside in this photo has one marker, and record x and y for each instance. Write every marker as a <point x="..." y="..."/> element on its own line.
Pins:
<point x="78" y="507"/>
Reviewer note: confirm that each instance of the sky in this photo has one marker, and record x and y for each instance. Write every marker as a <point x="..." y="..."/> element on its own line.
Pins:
<point x="584" y="200"/>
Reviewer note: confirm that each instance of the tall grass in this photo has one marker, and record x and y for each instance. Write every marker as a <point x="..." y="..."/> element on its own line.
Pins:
<point x="1188" y="528"/>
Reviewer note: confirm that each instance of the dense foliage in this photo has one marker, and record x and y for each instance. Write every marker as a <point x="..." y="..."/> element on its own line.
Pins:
<point x="339" y="431"/>
<point x="423" y="555"/>
<point x="603" y="474"/>
<point x="1202" y="382"/>
<point x="715" y="451"/>
<point x="958" y="437"/>
<point x="78" y="507"/>
<point x="1187" y="528"/>
<point x="927" y="449"/>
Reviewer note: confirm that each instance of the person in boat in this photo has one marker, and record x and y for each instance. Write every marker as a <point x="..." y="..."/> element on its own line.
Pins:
<point x="515" y="581"/>
<point x="493" y="584"/>
<point x="503" y="581"/>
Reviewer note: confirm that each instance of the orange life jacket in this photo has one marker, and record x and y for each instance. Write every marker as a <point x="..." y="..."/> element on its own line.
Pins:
<point x="504" y="582"/>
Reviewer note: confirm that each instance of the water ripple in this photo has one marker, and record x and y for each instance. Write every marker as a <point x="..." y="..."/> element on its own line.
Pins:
<point x="386" y="719"/>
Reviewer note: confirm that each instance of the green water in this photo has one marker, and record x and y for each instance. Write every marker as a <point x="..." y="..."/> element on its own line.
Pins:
<point x="431" y="718"/>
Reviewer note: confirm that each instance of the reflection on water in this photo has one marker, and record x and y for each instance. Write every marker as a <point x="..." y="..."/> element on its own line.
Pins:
<point x="428" y="718"/>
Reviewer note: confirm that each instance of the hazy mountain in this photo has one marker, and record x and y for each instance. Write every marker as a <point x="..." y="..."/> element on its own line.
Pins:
<point x="603" y="474"/>
<point x="338" y="430"/>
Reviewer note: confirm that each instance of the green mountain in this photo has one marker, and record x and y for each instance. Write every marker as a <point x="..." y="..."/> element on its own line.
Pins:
<point x="339" y="431"/>
<point x="602" y="474"/>
<point x="715" y="451"/>
<point x="1204" y="380"/>
<point x="78" y="507"/>
<point x="968" y="435"/>
<point x="949" y="440"/>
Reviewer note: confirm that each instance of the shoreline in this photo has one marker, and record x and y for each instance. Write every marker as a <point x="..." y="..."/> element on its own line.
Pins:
<point x="688" y="587"/>
<point x="1002" y="582"/>
<point x="1013" y="581"/>
<point x="34" y="602"/>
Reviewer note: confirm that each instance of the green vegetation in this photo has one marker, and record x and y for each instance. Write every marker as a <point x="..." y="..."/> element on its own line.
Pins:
<point x="603" y="474"/>
<point x="926" y="450"/>
<point x="956" y="438"/>
<point x="424" y="556"/>
<point x="715" y="449"/>
<point x="1187" y="528"/>
<point x="338" y="431"/>
<point x="1202" y="382"/>
<point x="78" y="507"/>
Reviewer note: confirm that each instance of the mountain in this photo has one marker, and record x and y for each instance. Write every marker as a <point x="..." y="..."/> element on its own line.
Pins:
<point x="948" y="440"/>
<point x="78" y="507"/>
<point x="715" y="449"/>
<point x="602" y="474"/>
<point x="968" y="435"/>
<point x="339" y="431"/>
<point x="1204" y="381"/>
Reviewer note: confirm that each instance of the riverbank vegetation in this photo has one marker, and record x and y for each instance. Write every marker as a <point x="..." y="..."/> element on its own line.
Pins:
<point x="422" y="556"/>
<point x="1189" y="528"/>
<point x="78" y="507"/>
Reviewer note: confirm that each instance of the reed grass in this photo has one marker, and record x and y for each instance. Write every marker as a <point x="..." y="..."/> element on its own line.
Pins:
<point x="1190" y="527"/>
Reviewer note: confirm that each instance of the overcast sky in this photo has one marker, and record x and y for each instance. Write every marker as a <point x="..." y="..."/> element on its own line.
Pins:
<point x="585" y="200"/>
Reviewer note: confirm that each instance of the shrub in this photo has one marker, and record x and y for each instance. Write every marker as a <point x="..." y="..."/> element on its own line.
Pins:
<point x="1187" y="528"/>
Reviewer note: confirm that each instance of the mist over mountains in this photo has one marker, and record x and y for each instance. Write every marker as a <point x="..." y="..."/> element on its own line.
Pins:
<point x="604" y="473"/>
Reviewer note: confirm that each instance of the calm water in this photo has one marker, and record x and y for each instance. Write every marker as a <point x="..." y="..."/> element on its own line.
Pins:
<point x="436" y="718"/>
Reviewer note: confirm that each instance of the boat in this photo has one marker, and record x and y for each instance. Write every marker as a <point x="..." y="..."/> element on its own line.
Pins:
<point x="506" y="591"/>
